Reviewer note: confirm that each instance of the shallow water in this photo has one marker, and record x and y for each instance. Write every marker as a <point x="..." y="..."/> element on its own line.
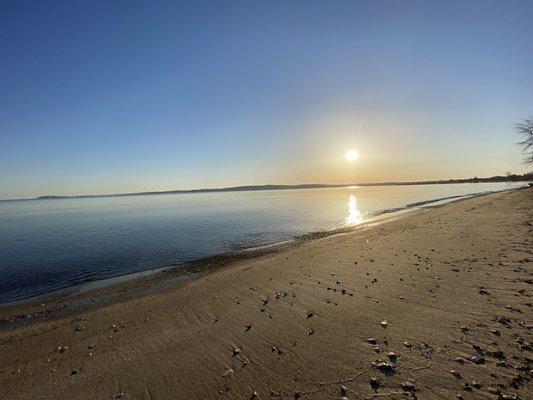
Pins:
<point x="46" y="245"/>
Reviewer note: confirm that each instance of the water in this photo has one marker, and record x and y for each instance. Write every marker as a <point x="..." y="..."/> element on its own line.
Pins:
<point x="48" y="245"/>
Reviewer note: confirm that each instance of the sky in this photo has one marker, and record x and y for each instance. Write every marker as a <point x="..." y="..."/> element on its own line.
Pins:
<point x="126" y="96"/>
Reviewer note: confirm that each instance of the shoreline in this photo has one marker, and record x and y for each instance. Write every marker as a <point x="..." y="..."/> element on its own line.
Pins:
<point x="101" y="290"/>
<point x="526" y="178"/>
<point x="433" y="305"/>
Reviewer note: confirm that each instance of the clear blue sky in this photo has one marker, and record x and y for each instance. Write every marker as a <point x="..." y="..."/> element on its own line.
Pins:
<point x="116" y="96"/>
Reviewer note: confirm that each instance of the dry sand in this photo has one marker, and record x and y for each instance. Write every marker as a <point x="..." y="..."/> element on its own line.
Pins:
<point x="436" y="305"/>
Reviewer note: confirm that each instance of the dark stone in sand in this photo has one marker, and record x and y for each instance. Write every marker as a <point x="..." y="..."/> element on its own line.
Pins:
<point x="386" y="368"/>
<point x="344" y="391"/>
<point x="503" y="320"/>
<point x="457" y="374"/>
<point x="408" y="387"/>
<point x="478" y="359"/>
<point x="374" y="383"/>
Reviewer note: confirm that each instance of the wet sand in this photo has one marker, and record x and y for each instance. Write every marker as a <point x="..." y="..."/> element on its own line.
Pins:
<point x="436" y="305"/>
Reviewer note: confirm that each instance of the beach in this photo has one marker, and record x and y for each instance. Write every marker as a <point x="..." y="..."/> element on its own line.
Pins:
<point x="433" y="305"/>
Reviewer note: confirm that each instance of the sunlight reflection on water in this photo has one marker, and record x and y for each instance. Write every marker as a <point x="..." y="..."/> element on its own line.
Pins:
<point x="354" y="214"/>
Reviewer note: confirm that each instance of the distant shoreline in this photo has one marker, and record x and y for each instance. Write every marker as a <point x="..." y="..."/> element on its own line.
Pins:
<point x="248" y="188"/>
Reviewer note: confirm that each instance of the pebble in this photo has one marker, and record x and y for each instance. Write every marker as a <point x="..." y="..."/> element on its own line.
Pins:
<point x="408" y="387"/>
<point x="372" y="341"/>
<point x="503" y="320"/>
<point x="457" y="374"/>
<point x="384" y="367"/>
<point x="374" y="383"/>
<point x="477" y="359"/>
<point x="344" y="391"/>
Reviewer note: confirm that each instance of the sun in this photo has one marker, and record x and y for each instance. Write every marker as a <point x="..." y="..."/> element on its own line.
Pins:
<point x="352" y="155"/>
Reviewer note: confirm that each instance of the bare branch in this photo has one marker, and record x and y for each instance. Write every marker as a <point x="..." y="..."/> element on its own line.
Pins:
<point x="525" y="129"/>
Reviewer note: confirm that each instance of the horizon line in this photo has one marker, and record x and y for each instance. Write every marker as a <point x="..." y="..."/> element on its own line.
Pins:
<point x="244" y="188"/>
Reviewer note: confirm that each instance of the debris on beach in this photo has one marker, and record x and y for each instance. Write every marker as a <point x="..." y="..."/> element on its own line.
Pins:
<point x="344" y="391"/>
<point x="374" y="383"/>
<point x="478" y="359"/>
<point x="384" y="366"/>
<point x="408" y="387"/>
<point x="503" y="320"/>
<point x="457" y="374"/>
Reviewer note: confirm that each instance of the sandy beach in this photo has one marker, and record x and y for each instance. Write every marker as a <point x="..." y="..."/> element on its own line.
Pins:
<point x="435" y="305"/>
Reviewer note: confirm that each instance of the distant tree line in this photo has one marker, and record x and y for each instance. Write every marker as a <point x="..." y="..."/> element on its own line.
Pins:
<point x="509" y="177"/>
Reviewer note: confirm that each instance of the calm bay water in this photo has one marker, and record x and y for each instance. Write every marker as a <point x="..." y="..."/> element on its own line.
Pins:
<point x="47" y="245"/>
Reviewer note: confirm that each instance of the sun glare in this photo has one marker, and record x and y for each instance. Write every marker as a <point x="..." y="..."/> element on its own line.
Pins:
<point x="352" y="155"/>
